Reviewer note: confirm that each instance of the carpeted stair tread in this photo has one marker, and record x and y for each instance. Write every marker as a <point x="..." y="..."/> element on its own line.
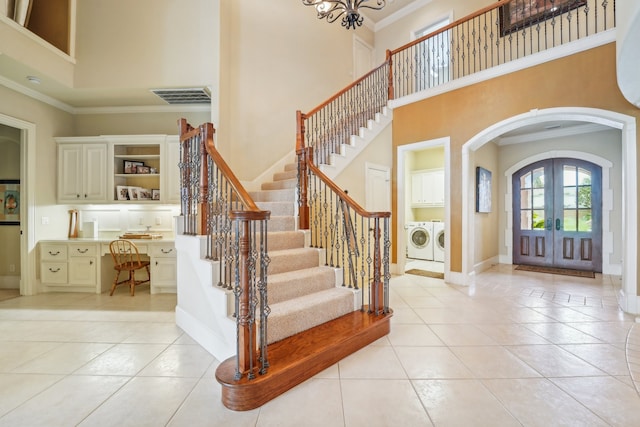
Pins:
<point x="279" y="185"/>
<point x="290" y="174"/>
<point x="292" y="259"/>
<point x="291" y="167"/>
<point x="279" y="240"/>
<point x="296" y="315"/>
<point x="284" y="195"/>
<point x="282" y="223"/>
<point x="294" y="284"/>
<point x="277" y="208"/>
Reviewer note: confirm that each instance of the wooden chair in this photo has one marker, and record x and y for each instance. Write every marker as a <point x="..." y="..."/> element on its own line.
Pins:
<point x="127" y="258"/>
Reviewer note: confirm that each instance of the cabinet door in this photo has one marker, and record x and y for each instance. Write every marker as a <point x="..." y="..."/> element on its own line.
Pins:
<point x="95" y="173"/>
<point x="70" y="172"/>
<point x="434" y="186"/>
<point x="83" y="271"/>
<point x="163" y="274"/>
<point x="172" y="171"/>
<point x="416" y="189"/>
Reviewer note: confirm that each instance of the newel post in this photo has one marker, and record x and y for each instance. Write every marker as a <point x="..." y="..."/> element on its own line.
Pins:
<point x="246" y="345"/>
<point x="390" y="83"/>
<point x="377" y="287"/>
<point x="303" y="176"/>
<point x="206" y="132"/>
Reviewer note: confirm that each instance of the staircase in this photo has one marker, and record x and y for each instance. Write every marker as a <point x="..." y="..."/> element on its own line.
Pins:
<point x="302" y="292"/>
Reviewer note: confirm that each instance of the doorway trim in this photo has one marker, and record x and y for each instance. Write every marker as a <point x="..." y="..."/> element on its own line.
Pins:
<point x="401" y="201"/>
<point x="629" y="300"/>
<point x="607" y="202"/>
<point x="27" y="193"/>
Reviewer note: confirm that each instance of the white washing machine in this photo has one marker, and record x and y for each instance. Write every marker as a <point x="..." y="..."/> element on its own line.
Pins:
<point x="420" y="240"/>
<point x="438" y="241"/>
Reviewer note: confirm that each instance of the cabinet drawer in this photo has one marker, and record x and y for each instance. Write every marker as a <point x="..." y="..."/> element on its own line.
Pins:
<point x="167" y="250"/>
<point x="54" y="273"/>
<point x="78" y="249"/>
<point x="53" y="252"/>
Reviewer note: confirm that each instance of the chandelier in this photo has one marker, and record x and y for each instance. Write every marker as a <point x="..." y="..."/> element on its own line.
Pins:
<point x="334" y="9"/>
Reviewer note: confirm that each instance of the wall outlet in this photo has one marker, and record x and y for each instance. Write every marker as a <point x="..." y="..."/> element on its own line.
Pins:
<point x="158" y="220"/>
<point x="45" y="220"/>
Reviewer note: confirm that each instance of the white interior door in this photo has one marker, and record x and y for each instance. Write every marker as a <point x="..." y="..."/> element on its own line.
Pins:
<point x="362" y="58"/>
<point x="378" y="188"/>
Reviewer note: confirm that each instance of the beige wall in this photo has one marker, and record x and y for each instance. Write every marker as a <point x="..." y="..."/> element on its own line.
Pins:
<point x="486" y="224"/>
<point x="134" y="123"/>
<point x="145" y="43"/>
<point x="276" y="62"/>
<point x="465" y="112"/>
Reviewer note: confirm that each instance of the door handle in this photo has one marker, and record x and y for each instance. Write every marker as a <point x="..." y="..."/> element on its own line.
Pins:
<point x="549" y="224"/>
<point x="558" y="224"/>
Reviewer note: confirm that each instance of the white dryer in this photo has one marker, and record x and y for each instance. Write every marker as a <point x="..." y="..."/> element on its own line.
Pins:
<point x="438" y="241"/>
<point x="420" y="240"/>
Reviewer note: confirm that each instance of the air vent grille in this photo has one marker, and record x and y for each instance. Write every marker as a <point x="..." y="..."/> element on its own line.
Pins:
<point x="184" y="96"/>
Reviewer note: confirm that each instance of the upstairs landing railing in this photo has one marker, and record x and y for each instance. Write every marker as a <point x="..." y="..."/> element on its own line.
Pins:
<point x="495" y="35"/>
<point x="214" y="204"/>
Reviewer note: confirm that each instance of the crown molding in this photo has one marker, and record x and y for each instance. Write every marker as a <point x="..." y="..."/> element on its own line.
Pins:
<point x="405" y="11"/>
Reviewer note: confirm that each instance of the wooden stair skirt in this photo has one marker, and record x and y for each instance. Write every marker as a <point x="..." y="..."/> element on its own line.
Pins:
<point x="298" y="358"/>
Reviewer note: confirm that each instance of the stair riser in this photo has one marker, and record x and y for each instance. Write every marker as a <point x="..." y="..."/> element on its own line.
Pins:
<point x="279" y="185"/>
<point x="286" y="195"/>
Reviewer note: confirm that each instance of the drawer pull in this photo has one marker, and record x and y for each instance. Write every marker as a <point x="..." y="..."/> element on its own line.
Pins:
<point x="54" y="253"/>
<point x="83" y="251"/>
<point x="91" y="262"/>
<point x="166" y="251"/>
<point x="54" y="270"/>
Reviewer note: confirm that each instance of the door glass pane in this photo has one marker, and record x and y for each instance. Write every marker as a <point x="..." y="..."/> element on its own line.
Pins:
<point x="525" y="199"/>
<point x="584" y="196"/>
<point x="584" y="220"/>
<point x="569" y="197"/>
<point x="584" y="177"/>
<point x="538" y="198"/>
<point x="525" y="180"/>
<point x="569" y="176"/>
<point x="538" y="219"/>
<point x="538" y="178"/>
<point x="570" y="223"/>
<point x="525" y="220"/>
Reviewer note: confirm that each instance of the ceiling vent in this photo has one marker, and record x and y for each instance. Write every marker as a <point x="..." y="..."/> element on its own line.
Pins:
<point x="184" y="96"/>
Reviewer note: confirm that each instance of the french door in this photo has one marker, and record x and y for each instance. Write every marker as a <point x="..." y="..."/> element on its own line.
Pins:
<point x="557" y="214"/>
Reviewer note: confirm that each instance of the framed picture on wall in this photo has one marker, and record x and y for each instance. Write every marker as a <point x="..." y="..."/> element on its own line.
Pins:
<point x="483" y="190"/>
<point x="10" y="202"/>
<point x="518" y="14"/>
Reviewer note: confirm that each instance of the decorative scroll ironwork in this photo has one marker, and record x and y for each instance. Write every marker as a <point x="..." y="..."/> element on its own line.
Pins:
<point x="214" y="204"/>
<point x="500" y="33"/>
<point x="351" y="238"/>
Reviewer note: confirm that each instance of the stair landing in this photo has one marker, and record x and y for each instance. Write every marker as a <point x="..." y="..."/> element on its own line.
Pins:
<point x="299" y="357"/>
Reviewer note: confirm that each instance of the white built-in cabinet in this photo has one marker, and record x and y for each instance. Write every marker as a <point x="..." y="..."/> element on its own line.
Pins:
<point x="82" y="172"/>
<point x="97" y="169"/>
<point x="427" y="188"/>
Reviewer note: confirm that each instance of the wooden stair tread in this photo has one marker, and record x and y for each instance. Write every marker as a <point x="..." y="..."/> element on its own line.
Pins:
<point x="298" y="358"/>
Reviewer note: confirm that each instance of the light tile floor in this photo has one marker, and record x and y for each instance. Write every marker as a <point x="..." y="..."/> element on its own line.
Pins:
<point x="513" y="349"/>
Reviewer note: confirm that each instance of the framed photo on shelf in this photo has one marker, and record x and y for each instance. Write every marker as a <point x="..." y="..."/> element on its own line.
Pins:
<point x="131" y="166"/>
<point x="133" y="193"/>
<point x="10" y="202"/>
<point x="155" y="194"/>
<point x="144" y="194"/>
<point x="142" y="169"/>
<point x="122" y="192"/>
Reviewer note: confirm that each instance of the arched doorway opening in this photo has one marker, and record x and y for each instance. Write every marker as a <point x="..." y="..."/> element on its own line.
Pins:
<point x="625" y="124"/>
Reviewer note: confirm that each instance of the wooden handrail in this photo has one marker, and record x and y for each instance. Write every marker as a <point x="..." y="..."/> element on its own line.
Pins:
<point x="448" y="27"/>
<point x="344" y="196"/>
<point x="346" y="89"/>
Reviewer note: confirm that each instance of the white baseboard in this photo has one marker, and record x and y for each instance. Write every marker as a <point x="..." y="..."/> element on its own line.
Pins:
<point x="486" y="264"/>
